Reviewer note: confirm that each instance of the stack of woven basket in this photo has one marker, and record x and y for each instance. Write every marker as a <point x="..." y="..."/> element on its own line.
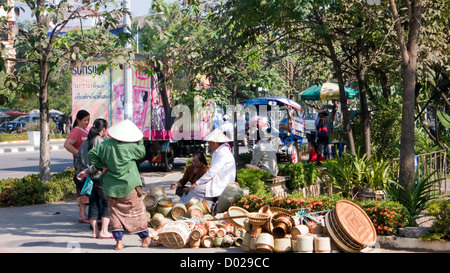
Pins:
<point x="201" y="231"/>
<point x="273" y="229"/>
<point x="176" y="225"/>
<point x="350" y="227"/>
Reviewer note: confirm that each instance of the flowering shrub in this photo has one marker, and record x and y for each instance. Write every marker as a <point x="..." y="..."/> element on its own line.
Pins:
<point x="387" y="216"/>
<point x="29" y="190"/>
<point x="253" y="203"/>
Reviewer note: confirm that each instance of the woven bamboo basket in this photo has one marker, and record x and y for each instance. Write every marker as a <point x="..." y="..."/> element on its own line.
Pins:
<point x="207" y="241"/>
<point x="282" y="224"/>
<point x="150" y="201"/>
<point x="257" y="218"/>
<point x="195" y="212"/>
<point x="175" y="234"/>
<point x="237" y="211"/>
<point x="350" y="227"/>
<point x="178" y="210"/>
<point x="339" y="237"/>
<point x="205" y="206"/>
<point x="198" y="232"/>
<point x="355" y="223"/>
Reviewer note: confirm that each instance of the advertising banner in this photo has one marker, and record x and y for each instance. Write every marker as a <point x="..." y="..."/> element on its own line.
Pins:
<point x="103" y="95"/>
<point x="90" y="92"/>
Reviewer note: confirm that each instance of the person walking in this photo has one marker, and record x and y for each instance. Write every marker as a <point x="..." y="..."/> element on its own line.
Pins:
<point x="98" y="205"/>
<point x="221" y="171"/>
<point x="322" y="133"/>
<point x="121" y="181"/>
<point x="329" y="125"/>
<point x="77" y="136"/>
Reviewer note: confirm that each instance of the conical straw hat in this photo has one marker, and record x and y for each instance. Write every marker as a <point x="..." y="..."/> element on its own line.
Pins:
<point x="216" y="136"/>
<point x="125" y="131"/>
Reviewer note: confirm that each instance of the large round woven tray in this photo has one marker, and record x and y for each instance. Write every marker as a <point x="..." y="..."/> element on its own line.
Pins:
<point x="355" y="223"/>
<point x="339" y="237"/>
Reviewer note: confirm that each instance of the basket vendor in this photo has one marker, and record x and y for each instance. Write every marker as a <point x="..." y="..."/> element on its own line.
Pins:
<point x="222" y="169"/>
<point x="121" y="182"/>
<point x="264" y="156"/>
<point x="192" y="173"/>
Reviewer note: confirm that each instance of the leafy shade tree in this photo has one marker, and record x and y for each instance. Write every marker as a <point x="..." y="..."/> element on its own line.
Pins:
<point x="47" y="50"/>
<point x="409" y="50"/>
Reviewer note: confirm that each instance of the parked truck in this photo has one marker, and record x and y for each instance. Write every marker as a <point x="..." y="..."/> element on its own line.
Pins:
<point x="103" y="97"/>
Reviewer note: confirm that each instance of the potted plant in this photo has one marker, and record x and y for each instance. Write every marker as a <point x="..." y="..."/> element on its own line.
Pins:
<point x="34" y="133"/>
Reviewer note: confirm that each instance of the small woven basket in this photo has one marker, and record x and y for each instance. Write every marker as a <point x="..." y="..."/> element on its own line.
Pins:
<point x="175" y="234"/>
<point x="258" y="218"/>
<point x="179" y="210"/>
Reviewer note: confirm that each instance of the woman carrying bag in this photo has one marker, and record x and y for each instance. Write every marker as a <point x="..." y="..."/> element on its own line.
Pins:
<point x="98" y="204"/>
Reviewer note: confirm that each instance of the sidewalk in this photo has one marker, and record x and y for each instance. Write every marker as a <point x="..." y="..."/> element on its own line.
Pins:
<point x="53" y="228"/>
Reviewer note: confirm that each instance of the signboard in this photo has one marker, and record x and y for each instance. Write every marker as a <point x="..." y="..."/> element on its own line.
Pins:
<point x="103" y="96"/>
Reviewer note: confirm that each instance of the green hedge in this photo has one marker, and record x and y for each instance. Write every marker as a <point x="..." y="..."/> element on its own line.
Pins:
<point x="30" y="191"/>
<point x="302" y="174"/>
<point x="24" y="136"/>
<point x="440" y="230"/>
<point x="254" y="180"/>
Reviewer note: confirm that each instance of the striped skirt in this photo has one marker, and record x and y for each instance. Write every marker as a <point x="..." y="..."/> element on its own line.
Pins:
<point x="127" y="213"/>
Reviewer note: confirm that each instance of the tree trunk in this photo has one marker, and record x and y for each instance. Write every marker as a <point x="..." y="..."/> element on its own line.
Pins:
<point x="44" y="149"/>
<point x="408" y="52"/>
<point x="365" y="119"/>
<point x="343" y="100"/>
<point x="235" y="140"/>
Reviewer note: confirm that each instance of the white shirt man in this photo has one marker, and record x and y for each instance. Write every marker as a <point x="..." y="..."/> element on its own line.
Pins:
<point x="221" y="171"/>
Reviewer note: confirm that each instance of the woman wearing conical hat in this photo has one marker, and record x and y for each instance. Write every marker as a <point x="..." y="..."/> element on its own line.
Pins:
<point x="221" y="172"/>
<point x="122" y="182"/>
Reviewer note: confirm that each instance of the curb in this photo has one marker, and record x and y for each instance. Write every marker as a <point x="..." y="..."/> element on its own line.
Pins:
<point x="27" y="141"/>
<point x="413" y="244"/>
<point x="27" y="149"/>
<point x="55" y="144"/>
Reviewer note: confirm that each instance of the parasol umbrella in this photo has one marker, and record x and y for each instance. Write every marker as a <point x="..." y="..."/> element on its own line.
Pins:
<point x="15" y="113"/>
<point x="327" y="91"/>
